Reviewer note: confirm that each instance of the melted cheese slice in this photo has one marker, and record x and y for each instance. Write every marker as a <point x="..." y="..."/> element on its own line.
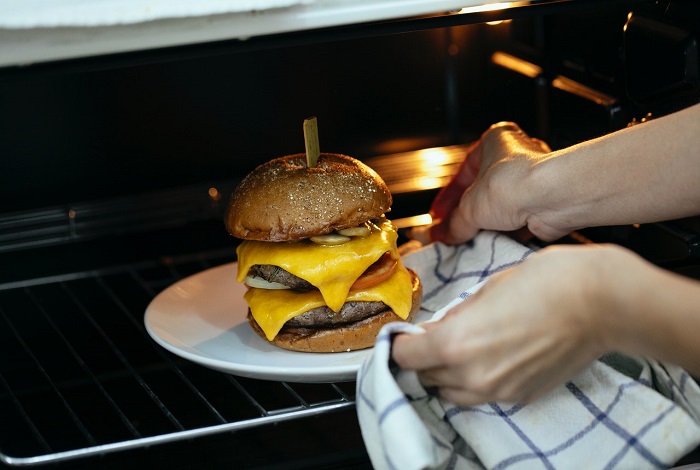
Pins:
<point x="273" y="308"/>
<point x="332" y="269"/>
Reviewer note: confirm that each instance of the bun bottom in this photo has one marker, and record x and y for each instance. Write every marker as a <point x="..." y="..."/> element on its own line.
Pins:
<point x="351" y="337"/>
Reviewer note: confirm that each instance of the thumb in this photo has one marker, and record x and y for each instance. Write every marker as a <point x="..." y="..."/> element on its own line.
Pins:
<point x="449" y="196"/>
<point x="457" y="228"/>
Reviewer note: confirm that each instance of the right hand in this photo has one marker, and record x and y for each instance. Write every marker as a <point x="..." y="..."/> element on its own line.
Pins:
<point x="490" y="189"/>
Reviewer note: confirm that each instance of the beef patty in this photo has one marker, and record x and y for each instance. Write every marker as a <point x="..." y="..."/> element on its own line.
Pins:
<point x="320" y="317"/>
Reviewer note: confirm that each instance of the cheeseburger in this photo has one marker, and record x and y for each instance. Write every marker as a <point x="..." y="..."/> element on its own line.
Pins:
<point x="318" y="256"/>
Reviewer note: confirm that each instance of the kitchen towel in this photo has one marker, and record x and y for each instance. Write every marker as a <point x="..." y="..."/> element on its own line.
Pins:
<point x="621" y="412"/>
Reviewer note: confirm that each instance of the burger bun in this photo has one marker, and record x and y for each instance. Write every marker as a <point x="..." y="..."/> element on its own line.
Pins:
<point x="284" y="200"/>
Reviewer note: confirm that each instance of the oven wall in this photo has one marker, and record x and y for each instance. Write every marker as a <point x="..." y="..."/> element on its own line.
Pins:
<point x="97" y="148"/>
<point x="96" y="134"/>
<point x="87" y="132"/>
<point x="102" y="140"/>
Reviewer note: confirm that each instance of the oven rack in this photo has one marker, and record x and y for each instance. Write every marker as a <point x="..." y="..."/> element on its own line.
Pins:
<point x="80" y="376"/>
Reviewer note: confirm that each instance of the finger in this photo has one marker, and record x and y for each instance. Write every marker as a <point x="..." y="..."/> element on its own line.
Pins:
<point x="415" y="351"/>
<point x="443" y="377"/>
<point x="430" y="325"/>
<point x="508" y="135"/>
<point x="447" y="199"/>
<point x="449" y="196"/>
<point x="521" y="235"/>
<point x="543" y="146"/>
<point x="454" y="229"/>
<point x="458" y="228"/>
<point x="439" y="231"/>
<point x="462" y="392"/>
<point x="462" y="397"/>
<point x="421" y="234"/>
<point x="451" y="388"/>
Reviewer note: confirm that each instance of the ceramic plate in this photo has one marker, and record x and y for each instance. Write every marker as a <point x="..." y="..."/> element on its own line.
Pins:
<point x="203" y="318"/>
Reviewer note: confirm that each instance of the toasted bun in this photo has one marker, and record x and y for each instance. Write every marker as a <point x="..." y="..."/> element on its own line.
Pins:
<point x="358" y="335"/>
<point x="284" y="200"/>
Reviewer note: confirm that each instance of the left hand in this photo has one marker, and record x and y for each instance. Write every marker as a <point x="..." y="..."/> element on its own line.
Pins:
<point x="527" y="330"/>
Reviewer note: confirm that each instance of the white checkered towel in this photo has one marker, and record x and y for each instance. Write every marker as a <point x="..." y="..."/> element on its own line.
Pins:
<point x="619" y="413"/>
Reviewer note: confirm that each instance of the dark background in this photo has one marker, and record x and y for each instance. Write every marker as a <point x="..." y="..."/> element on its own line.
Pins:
<point x="92" y="131"/>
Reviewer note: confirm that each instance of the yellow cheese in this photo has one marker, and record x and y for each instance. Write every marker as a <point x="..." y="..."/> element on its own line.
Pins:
<point x="332" y="269"/>
<point x="273" y="308"/>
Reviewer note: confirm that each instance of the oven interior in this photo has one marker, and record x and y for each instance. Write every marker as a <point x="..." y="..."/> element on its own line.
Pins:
<point x="116" y="171"/>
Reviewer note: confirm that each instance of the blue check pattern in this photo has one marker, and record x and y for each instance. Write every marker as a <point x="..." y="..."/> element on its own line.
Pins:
<point x="603" y="418"/>
<point x="448" y="271"/>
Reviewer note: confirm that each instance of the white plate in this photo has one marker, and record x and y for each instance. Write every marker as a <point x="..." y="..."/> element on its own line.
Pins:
<point x="203" y="318"/>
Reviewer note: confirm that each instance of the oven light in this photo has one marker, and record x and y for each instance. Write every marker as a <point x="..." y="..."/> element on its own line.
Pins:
<point x="433" y="156"/>
<point x="629" y="17"/>
<point x="492" y="7"/>
<point x="214" y="194"/>
<point x="413" y="221"/>
<point x="489" y="7"/>
<point x="432" y="163"/>
<point x="516" y="64"/>
<point x="496" y="23"/>
<point x="575" y="88"/>
<point x="423" y="219"/>
<point x="427" y="182"/>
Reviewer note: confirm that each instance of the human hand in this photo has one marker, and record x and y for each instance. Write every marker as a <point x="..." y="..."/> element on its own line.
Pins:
<point x="527" y="330"/>
<point x="490" y="189"/>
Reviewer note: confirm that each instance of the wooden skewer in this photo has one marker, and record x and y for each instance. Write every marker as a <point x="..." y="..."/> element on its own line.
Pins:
<point x="311" y="141"/>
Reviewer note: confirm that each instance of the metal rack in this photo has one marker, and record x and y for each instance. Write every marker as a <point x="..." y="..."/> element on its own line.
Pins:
<point x="79" y="375"/>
